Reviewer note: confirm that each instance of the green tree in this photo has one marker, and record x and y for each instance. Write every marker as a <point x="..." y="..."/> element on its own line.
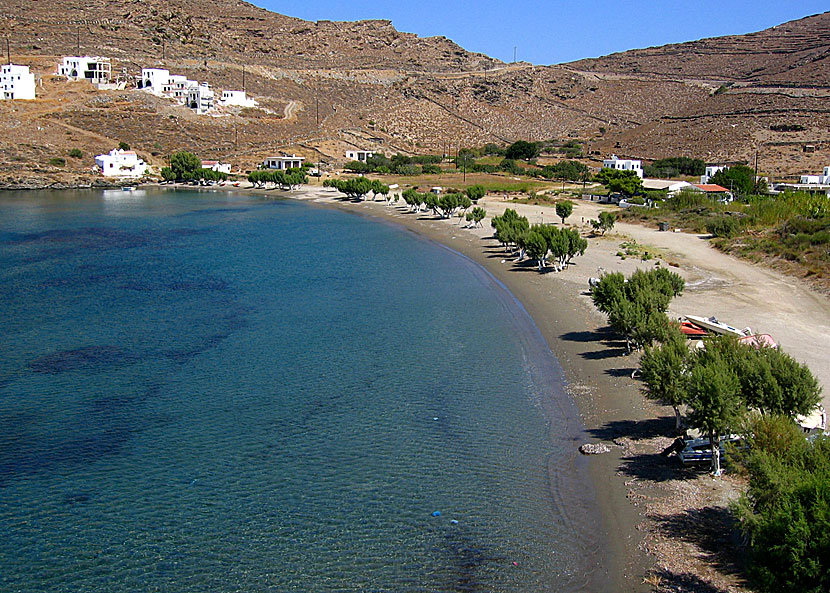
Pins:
<point x="664" y="371"/>
<point x="448" y="203"/>
<point x="476" y="192"/>
<point x="185" y="165"/>
<point x="628" y="185"/>
<point x="509" y="227"/>
<point x="167" y="174"/>
<point x="378" y="188"/>
<point x="564" y="209"/>
<point x="76" y="153"/>
<point x="636" y="307"/>
<point x="739" y="179"/>
<point x="476" y="215"/>
<point x="123" y="146"/>
<point x="714" y="396"/>
<point x="605" y="222"/>
<point x="537" y="247"/>
<point x="522" y="150"/>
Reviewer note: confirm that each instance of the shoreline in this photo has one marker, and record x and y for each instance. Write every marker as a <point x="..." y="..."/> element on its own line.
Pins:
<point x="619" y="536"/>
<point x="639" y="494"/>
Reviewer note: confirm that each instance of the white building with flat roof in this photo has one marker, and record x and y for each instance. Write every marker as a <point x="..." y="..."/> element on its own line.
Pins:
<point x="359" y="155"/>
<point x="95" y="69"/>
<point x="619" y="164"/>
<point x="121" y="163"/>
<point x="200" y="98"/>
<point x="16" y="82"/>
<point x="155" y="80"/>
<point x="822" y="179"/>
<point x="217" y="166"/>
<point x="238" y="98"/>
<point x="711" y="171"/>
<point x="283" y="162"/>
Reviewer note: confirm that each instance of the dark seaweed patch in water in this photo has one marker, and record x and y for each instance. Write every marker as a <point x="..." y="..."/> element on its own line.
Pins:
<point x="80" y="358"/>
<point x="102" y="238"/>
<point x="183" y="355"/>
<point x="207" y="284"/>
<point x="40" y="458"/>
<point x="468" y="557"/>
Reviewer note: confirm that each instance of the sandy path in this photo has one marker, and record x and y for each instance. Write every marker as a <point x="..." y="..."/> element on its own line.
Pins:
<point x="737" y="292"/>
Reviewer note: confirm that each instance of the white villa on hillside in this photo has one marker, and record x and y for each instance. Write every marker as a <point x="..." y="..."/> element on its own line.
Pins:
<point x="16" y="82"/>
<point x="200" y="98"/>
<point x="218" y="166"/>
<point x="238" y="98"/>
<point x="711" y="171"/>
<point x="95" y="69"/>
<point x="823" y="179"/>
<point x="283" y="162"/>
<point x="121" y="163"/>
<point x="359" y="155"/>
<point x="155" y="80"/>
<point x="180" y="87"/>
<point x="623" y="165"/>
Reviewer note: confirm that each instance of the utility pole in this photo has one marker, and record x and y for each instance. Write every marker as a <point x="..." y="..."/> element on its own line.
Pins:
<point x="163" y="48"/>
<point x="79" y="40"/>
<point x="8" y="51"/>
<point x="243" y="78"/>
<point x="514" y="54"/>
<point x="317" y="105"/>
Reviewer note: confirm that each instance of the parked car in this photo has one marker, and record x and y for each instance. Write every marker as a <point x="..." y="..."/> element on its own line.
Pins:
<point x="698" y="450"/>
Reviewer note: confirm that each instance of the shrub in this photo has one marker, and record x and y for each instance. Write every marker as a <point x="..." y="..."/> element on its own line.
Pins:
<point x="57" y="161"/>
<point x="431" y="169"/>
<point x="723" y="226"/>
<point x="76" y="153"/>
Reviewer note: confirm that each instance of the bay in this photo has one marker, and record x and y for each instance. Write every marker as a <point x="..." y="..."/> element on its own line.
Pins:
<point x="209" y="391"/>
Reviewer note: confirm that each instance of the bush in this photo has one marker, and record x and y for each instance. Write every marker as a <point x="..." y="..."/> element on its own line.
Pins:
<point x="57" y="161"/>
<point x="76" y="153"/>
<point x="723" y="227"/>
<point x="430" y="169"/>
<point x="785" y="513"/>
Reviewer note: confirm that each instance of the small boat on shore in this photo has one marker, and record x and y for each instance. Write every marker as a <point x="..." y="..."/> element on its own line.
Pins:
<point x="127" y="188"/>
<point x="690" y="329"/>
<point x="713" y="325"/>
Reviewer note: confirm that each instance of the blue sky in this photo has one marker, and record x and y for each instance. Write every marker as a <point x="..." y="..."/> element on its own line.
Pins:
<point x="555" y="31"/>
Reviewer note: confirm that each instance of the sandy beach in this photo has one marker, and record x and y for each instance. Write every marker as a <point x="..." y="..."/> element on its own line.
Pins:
<point x="650" y="508"/>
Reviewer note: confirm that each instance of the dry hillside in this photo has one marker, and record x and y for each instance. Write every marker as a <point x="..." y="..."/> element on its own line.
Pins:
<point x="324" y="87"/>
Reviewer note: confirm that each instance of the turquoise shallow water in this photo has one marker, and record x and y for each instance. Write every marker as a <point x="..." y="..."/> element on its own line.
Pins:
<point x="215" y="392"/>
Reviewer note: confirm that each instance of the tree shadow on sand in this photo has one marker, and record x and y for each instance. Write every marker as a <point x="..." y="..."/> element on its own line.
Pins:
<point x="714" y="531"/>
<point x="606" y="343"/>
<point x="681" y="582"/>
<point x="635" y="429"/>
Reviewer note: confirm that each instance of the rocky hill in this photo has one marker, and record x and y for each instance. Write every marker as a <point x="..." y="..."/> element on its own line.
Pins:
<point x="324" y="87"/>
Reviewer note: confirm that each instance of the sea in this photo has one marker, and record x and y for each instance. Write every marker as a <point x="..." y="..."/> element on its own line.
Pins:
<point x="208" y="391"/>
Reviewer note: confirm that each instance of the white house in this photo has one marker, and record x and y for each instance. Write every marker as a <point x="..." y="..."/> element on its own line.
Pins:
<point x="283" y="162"/>
<point x="822" y="179"/>
<point x="16" y="82"/>
<point x="669" y="185"/>
<point x="200" y="98"/>
<point x="121" y="163"/>
<point x="711" y="171"/>
<point x="217" y="166"/>
<point x="623" y="165"/>
<point x="95" y="69"/>
<point x="236" y="98"/>
<point x="155" y="80"/>
<point x="359" y="155"/>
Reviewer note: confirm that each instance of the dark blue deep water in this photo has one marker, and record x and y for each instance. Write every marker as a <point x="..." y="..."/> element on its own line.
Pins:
<point x="217" y="392"/>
